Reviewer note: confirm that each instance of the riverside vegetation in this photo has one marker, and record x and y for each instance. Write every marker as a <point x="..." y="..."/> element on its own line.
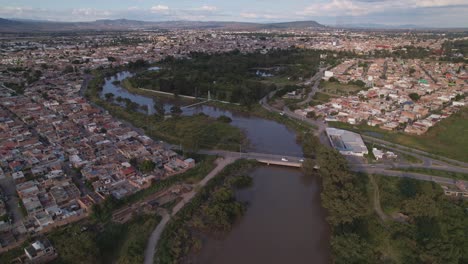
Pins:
<point x="191" y="132"/>
<point x="231" y="76"/>
<point x="433" y="231"/>
<point x="212" y="211"/>
<point x="90" y="241"/>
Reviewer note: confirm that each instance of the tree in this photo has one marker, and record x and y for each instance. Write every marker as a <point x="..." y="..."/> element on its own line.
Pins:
<point x="109" y="96"/>
<point x="311" y="114"/>
<point x="224" y="119"/>
<point x="351" y="248"/>
<point x="68" y="69"/>
<point x="147" y="166"/>
<point x="176" y="110"/>
<point x="414" y="96"/>
<point x="408" y="187"/>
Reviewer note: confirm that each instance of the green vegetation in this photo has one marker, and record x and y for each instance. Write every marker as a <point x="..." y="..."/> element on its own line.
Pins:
<point x="10" y="255"/>
<point x="241" y="181"/>
<point x="432" y="230"/>
<point x="228" y="76"/>
<point x="192" y="132"/>
<point x="341" y="89"/>
<point x="447" y="138"/>
<point x="453" y="50"/>
<point x="433" y="227"/>
<point x="320" y="98"/>
<point x="147" y="166"/>
<point x="225" y="119"/>
<point x="414" y="96"/>
<point x="199" y="131"/>
<point x="18" y="88"/>
<point x="440" y="173"/>
<point x="109" y="243"/>
<point x="212" y="211"/>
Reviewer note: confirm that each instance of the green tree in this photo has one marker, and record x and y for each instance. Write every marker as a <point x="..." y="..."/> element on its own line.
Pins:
<point x="147" y="166"/>
<point x="414" y="96"/>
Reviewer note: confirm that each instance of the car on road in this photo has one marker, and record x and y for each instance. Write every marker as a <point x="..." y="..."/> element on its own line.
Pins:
<point x="301" y="160"/>
<point x="284" y="159"/>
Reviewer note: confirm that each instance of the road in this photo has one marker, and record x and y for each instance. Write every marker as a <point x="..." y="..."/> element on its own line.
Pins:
<point x="394" y="173"/>
<point x="412" y="151"/>
<point x="251" y="155"/>
<point x="316" y="81"/>
<point x="383" y="169"/>
<point x="428" y="163"/>
<point x="376" y="197"/>
<point x="186" y="198"/>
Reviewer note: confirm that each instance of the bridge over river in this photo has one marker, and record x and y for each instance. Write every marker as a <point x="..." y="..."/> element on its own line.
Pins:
<point x="269" y="159"/>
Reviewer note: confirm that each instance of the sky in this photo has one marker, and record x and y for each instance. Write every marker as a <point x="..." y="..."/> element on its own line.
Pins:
<point x="433" y="13"/>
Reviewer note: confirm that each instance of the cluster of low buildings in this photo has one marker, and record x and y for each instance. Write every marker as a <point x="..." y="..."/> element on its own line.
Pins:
<point x="406" y="95"/>
<point x="459" y="190"/>
<point x="59" y="153"/>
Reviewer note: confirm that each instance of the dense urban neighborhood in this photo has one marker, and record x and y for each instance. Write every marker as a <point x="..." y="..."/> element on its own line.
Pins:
<point x="77" y="159"/>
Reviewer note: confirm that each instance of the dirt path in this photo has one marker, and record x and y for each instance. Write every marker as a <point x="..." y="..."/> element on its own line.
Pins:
<point x="376" y="199"/>
<point x="186" y="198"/>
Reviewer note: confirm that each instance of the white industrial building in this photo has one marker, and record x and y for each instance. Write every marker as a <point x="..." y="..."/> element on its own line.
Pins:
<point x="347" y="142"/>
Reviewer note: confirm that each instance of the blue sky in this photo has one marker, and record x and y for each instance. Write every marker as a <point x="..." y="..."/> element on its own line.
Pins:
<point x="437" y="13"/>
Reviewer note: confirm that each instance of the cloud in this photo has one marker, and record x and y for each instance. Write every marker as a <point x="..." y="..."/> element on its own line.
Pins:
<point x="159" y="9"/>
<point x="207" y="8"/>
<point x="365" y="7"/>
<point x="90" y="12"/>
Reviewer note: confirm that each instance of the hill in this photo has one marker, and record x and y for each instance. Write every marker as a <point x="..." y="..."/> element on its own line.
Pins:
<point x="13" y="25"/>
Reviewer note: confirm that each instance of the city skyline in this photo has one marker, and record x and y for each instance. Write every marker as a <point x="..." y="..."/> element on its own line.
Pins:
<point x="429" y="13"/>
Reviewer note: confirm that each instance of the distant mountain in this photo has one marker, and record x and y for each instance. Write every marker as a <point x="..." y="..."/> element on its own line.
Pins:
<point x="24" y="25"/>
<point x="295" y="24"/>
<point x="380" y="26"/>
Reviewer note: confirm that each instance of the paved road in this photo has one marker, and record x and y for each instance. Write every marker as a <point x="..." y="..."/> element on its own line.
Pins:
<point x="186" y="198"/>
<point x="316" y="81"/>
<point x="427" y="162"/>
<point x="413" y="175"/>
<point x="251" y="155"/>
<point x="412" y="151"/>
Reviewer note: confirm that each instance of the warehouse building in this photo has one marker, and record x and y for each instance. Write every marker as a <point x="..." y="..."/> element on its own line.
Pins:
<point x="347" y="142"/>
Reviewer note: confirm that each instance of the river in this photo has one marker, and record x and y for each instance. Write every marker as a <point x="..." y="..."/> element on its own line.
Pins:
<point x="284" y="222"/>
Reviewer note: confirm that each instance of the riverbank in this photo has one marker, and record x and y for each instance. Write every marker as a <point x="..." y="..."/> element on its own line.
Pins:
<point x="213" y="210"/>
<point x="416" y="231"/>
<point x="191" y="132"/>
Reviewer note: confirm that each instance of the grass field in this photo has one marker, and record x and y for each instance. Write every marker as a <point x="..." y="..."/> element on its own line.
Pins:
<point x="449" y="138"/>
<point x="340" y="89"/>
<point x="321" y="98"/>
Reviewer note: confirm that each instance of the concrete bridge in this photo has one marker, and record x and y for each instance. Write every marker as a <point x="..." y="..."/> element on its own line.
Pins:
<point x="269" y="159"/>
